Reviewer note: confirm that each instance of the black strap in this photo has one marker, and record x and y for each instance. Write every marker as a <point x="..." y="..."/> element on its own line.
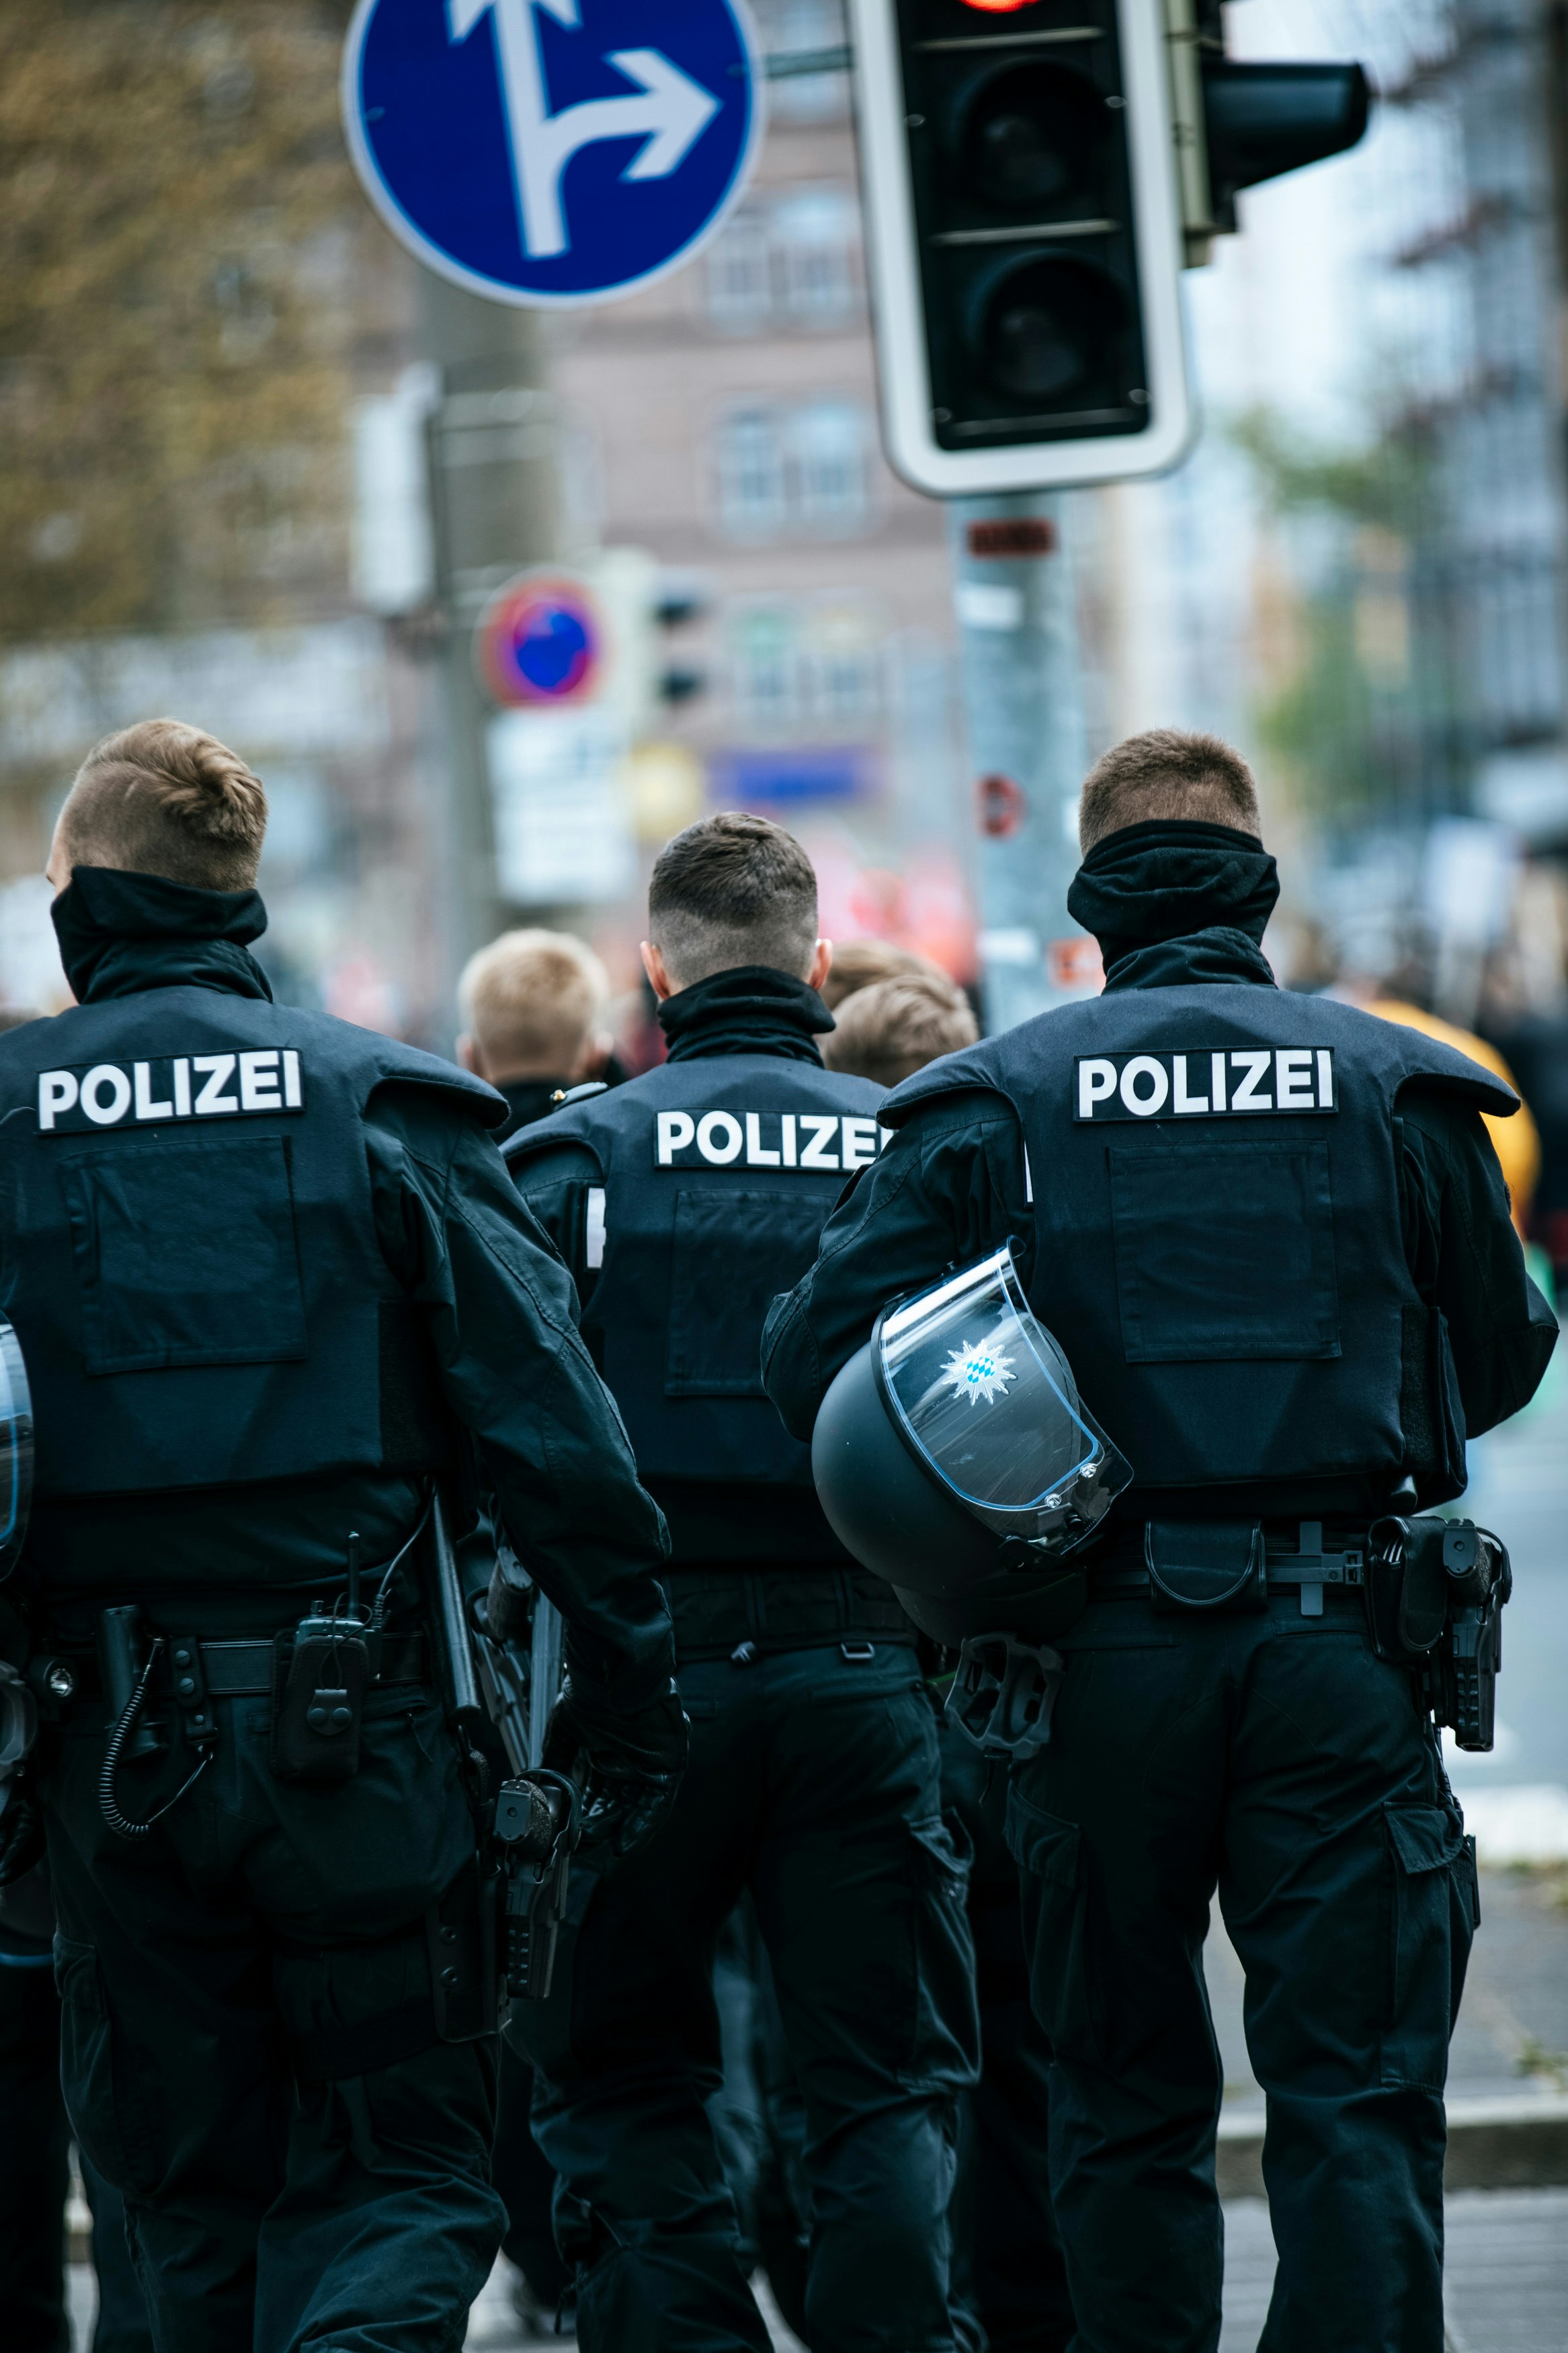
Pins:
<point x="243" y="1669"/>
<point x="717" y="1609"/>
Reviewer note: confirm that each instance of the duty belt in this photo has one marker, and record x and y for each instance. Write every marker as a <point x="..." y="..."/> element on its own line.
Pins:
<point x="1296" y="1555"/>
<point x="243" y="1669"/>
<point x="742" y="1613"/>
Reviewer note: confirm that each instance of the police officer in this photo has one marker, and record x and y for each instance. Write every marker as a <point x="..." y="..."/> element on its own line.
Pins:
<point x="534" y="1005"/>
<point x="1272" y="1236"/>
<point x="681" y="1202"/>
<point x="270" y="1279"/>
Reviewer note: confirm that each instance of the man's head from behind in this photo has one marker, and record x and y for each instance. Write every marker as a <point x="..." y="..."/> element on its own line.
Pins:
<point x="731" y="890"/>
<point x="1166" y="774"/>
<point x="891" y="1028"/>
<point x="533" y="1005"/>
<point x="163" y="798"/>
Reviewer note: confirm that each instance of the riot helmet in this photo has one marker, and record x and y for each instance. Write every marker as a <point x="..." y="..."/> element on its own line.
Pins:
<point x="956" y="1429"/>
<point x="15" y="1451"/>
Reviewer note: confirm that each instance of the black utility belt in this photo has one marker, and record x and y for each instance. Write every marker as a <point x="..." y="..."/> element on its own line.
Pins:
<point x="748" y="1613"/>
<point x="243" y="1669"/>
<point x="1226" y="1567"/>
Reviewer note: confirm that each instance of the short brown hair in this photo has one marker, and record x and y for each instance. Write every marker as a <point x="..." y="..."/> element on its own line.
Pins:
<point x="164" y="798"/>
<point x="732" y="889"/>
<point x="530" y="999"/>
<point x="1166" y="774"/>
<point x="861" y="964"/>
<point x="894" y="1028"/>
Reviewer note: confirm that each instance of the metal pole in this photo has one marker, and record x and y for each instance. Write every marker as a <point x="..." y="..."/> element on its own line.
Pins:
<point x="495" y="508"/>
<point x="1022" y="698"/>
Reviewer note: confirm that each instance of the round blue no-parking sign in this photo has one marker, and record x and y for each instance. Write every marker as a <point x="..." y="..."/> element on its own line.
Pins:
<point x="552" y="151"/>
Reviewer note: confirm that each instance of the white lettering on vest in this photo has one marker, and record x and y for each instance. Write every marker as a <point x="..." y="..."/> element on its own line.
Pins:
<point x="219" y="1068"/>
<point x="755" y="1156"/>
<point x="1181" y="1101"/>
<point x="1254" y="1061"/>
<point x="708" y="1133"/>
<point x="158" y="1091"/>
<point x="786" y="1137"/>
<point x="1158" y="1084"/>
<point x="147" y="1104"/>
<point x="675" y="1130"/>
<point x="104" y="1114"/>
<point x="593" y="1229"/>
<point x="816" y="1154"/>
<point x="259" y="1081"/>
<point x="860" y="1147"/>
<point x="58" y="1092"/>
<point x="1144" y="1066"/>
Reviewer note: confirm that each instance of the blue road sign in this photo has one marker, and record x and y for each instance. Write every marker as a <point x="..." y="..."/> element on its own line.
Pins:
<point x="552" y="151"/>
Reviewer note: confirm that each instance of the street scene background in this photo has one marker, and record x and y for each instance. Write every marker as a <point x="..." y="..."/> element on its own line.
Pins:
<point x="259" y="473"/>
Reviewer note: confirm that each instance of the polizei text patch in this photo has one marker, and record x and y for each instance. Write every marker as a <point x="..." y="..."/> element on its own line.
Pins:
<point x="1204" y="1083"/>
<point x="172" y="1087"/>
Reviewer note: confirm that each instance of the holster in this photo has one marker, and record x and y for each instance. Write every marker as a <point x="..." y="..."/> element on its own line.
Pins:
<point x="1436" y="1589"/>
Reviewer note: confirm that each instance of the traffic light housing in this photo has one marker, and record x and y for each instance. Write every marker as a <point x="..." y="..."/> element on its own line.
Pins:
<point x="1025" y="240"/>
<point x="1037" y="173"/>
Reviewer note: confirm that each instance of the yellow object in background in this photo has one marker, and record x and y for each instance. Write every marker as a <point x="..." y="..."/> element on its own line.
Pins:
<point x="1516" y="1141"/>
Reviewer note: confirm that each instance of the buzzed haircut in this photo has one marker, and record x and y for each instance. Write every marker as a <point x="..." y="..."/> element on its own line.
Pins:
<point x="732" y="889"/>
<point x="531" y="1000"/>
<point x="164" y="798"/>
<point x="894" y="1028"/>
<point x="1166" y="774"/>
<point x="860" y="963"/>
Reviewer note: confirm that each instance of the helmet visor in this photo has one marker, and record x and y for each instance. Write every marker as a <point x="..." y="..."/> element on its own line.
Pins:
<point x="15" y="1451"/>
<point x="981" y="1391"/>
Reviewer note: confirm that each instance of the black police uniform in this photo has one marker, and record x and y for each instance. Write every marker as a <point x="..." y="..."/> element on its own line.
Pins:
<point x="261" y="1265"/>
<point x="1273" y="1239"/>
<point x="682" y="1201"/>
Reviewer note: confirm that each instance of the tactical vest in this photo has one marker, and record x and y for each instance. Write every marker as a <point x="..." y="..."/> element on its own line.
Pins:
<point x="1218" y="1237"/>
<point x="719" y="1176"/>
<point x="188" y="1248"/>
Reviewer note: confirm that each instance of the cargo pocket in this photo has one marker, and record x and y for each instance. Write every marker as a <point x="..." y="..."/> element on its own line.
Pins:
<point x="1048" y="1853"/>
<point x="113" y="2135"/>
<point x="1432" y="1909"/>
<point x="943" y="2052"/>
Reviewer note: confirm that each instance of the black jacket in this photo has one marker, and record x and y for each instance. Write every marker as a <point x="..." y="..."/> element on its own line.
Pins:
<point x="1174" y="912"/>
<point x="495" y="1315"/>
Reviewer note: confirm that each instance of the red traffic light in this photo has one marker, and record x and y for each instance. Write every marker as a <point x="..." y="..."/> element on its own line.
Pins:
<point x="998" y="8"/>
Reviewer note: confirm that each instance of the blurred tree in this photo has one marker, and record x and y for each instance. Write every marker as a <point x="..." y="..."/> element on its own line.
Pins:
<point x="1363" y="720"/>
<point x="186" y="270"/>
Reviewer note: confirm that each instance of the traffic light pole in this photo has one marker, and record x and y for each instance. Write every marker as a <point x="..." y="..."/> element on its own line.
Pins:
<point x="1023" y="700"/>
<point x="494" y="500"/>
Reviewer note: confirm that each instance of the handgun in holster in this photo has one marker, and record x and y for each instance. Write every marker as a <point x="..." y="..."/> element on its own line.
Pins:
<point x="534" y="1832"/>
<point x="1436" y="1590"/>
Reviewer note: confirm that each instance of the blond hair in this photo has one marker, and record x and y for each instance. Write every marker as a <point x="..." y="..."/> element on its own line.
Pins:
<point x="1166" y="773"/>
<point x="860" y="963"/>
<point x="164" y="798"/>
<point x="531" y="1000"/>
<point x="894" y="1028"/>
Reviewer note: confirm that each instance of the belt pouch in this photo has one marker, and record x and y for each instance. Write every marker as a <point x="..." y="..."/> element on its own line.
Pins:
<point x="319" y="1676"/>
<point x="1207" y="1565"/>
<point x="1407" y="1587"/>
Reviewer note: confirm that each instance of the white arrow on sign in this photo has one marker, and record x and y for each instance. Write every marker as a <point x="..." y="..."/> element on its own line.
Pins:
<point x="669" y="113"/>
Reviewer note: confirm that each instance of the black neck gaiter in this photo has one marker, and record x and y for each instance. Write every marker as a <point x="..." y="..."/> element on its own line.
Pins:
<point x="122" y="933"/>
<point x="752" y="1011"/>
<point x="1178" y="900"/>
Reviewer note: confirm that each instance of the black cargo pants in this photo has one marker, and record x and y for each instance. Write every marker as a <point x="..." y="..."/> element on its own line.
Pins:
<point x="814" y="1781"/>
<point x="353" y="2214"/>
<point x="1275" y="1756"/>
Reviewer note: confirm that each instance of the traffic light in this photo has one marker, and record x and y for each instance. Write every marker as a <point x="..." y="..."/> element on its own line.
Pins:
<point x="1036" y="173"/>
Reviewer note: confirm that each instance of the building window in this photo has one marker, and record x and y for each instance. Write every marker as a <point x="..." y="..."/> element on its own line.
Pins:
<point x="815" y="240"/>
<point x="752" y="498"/>
<point x="841" y="661"/>
<point x="764" y="667"/>
<point x="800" y="472"/>
<point x="790" y="27"/>
<point x="739" y="279"/>
<point x="830" y="468"/>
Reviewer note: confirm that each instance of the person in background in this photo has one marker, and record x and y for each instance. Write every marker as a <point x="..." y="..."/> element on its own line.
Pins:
<point x="17" y="1016"/>
<point x="892" y="1028"/>
<point x="533" y="1008"/>
<point x="861" y="964"/>
<point x="1516" y="1141"/>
